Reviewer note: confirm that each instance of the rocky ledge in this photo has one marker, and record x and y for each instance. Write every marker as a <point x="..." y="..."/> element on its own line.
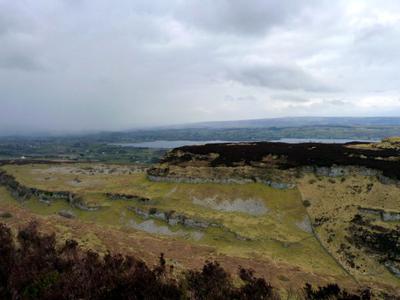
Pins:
<point x="379" y="241"/>
<point x="173" y="218"/>
<point x="22" y="193"/>
<point x="385" y="216"/>
<point x="275" y="164"/>
<point x="126" y="197"/>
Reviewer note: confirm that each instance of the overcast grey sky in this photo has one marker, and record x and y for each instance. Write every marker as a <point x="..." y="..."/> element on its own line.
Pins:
<point x="101" y="64"/>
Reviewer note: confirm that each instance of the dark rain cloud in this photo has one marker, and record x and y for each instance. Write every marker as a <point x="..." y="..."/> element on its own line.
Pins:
<point x="24" y="62"/>
<point x="97" y="64"/>
<point x="277" y="76"/>
<point x="243" y="17"/>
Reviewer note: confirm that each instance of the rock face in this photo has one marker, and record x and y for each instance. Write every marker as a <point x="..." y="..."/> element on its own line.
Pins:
<point x="222" y="175"/>
<point x="390" y="216"/>
<point x="333" y="171"/>
<point x="128" y="197"/>
<point x="66" y="214"/>
<point x="385" y="216"/>
<point x="274" y="164"/>
<point x="381" y="242"/>
<point x="171" y="218"/>
<point x="153" y="176"/>
<point x="22" y="193"/>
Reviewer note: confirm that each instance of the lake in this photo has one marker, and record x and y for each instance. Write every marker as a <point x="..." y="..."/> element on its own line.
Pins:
<point x="160" y="144"/>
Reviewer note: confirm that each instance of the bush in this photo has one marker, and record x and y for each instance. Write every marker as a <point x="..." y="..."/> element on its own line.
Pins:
<point x="213" y="283"/>
<point x="5" y="215"/>
<point x="152" y="210"/>
<point x="333" y="292"/>
<point x="38" y="269"/>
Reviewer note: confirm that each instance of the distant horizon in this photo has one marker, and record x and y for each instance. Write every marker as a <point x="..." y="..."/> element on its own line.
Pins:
<point x="202" y="124"/>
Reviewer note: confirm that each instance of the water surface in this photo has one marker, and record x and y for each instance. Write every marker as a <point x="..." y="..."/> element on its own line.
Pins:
<point x="161" y="144"/>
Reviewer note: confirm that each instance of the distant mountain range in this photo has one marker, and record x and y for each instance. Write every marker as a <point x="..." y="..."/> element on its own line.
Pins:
<point x="256" y="129"/>
<point x="295" y="122"/>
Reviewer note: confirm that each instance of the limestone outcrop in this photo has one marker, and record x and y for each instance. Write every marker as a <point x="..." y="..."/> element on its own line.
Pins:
<point x="22" y="193"/>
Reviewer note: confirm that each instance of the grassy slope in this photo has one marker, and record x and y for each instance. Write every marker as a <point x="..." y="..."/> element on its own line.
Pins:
<point x="274" y="236"/>
<point x="338" y="200"/>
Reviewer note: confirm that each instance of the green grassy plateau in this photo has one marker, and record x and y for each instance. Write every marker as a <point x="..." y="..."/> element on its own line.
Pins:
<point x="254" y="224"/>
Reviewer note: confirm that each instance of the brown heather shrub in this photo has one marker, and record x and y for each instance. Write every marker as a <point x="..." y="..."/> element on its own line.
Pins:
<point x="333" y="291"/>
<point x="34" y="267"/>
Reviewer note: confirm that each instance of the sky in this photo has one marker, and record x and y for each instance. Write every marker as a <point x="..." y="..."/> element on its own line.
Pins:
<point x="82" y="65"/>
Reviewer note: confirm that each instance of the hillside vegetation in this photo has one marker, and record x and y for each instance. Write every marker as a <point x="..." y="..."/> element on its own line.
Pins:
<point x="39" y="268"/>
<point x="285" y="211"/>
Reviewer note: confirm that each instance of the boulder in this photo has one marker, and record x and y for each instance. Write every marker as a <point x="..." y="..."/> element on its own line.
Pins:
<point x="66" y="214"/>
